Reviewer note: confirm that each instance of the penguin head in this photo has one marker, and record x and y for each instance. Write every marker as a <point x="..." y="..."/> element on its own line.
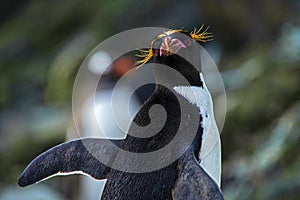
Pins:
<point x="179" y="50"/>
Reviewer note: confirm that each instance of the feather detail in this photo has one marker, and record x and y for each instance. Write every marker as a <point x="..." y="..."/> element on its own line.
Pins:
<point x="203" y="36"/>
<point x="146" y="54"/>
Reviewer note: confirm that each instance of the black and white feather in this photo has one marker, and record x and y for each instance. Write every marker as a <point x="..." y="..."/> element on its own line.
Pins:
<point x="196" y="174"/>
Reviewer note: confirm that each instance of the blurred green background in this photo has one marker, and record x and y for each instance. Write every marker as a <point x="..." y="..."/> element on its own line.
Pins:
<point x="256" y="47"/>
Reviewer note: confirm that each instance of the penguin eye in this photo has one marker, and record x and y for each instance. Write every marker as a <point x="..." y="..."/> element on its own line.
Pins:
<point x="188" y="42"/>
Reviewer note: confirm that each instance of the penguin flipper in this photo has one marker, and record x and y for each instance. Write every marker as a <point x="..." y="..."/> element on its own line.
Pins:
<point x="193" y="182"/>
<point x="81" y="156"/>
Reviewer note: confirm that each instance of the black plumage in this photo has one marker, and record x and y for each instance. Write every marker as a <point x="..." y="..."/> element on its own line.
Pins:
<point x="181" y="179"/>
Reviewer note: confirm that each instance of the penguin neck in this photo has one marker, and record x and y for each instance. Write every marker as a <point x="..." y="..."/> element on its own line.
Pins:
<point x="171" y="78"/>
<point x="178" y="71"/>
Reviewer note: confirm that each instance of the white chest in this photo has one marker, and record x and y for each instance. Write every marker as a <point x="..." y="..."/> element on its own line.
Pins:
<point x="210" y="153"/>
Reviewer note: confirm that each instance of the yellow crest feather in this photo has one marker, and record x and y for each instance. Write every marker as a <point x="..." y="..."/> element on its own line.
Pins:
<point x="197" y="35"/>
<point x="203" y="36"/>
<point x="146" y="54"/>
